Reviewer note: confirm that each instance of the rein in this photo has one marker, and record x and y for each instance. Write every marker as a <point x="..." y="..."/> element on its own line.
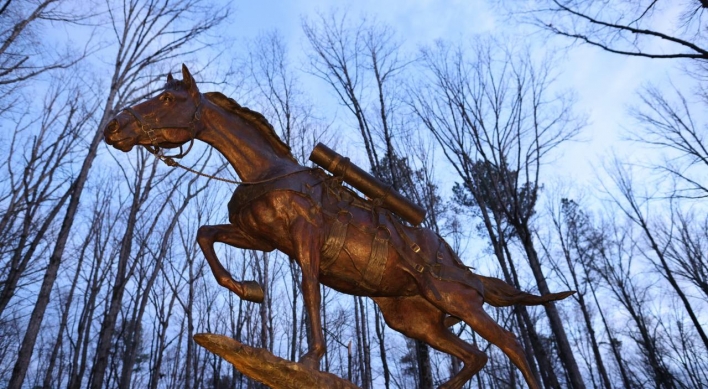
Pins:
<point x="172" y="163"/>
<point x="169" y="160"/>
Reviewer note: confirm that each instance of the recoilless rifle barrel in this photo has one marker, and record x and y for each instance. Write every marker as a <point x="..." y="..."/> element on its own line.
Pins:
<point x="369" y="185"/>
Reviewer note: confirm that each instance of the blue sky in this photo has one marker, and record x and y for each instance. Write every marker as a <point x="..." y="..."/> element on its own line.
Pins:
<point x="605" y="84"/>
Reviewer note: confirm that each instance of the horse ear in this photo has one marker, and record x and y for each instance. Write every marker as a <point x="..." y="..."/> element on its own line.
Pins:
<point x="169" y="77"/>
<point x="188" y="81"/>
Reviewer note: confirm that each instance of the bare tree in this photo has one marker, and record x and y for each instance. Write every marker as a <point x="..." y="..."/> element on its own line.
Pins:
<point x="104" y="220"/>
<point x="140" y="188"/>
<point x="500" y="237"/>
<point x="190" y="274"/>
<point x="667" y="124"/>
<point x="362" y="62"/>
<point x="155" y="260"/>
<point x="39" y="152"/>
<point x="577" y="241"/>
<point x="496" y="120"/>
<point x="616" y="264"/>
<point x="629" y="28"/>
<point x="51" y="378"/>
<point x="276" y="90"/>
<point x="23" y="53"/>
<point x="686" y="243"/>
<point x="137" y="30"/>
<point x="633" y="206"/>
<point x="337" y="59"/>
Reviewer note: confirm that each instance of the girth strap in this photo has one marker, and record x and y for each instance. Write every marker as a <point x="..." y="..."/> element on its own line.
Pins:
<point x="336" y="238"/>
<point x="378" y="258"/>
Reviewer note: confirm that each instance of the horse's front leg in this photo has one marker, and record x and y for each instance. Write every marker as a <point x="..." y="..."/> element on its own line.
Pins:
<point x="233" y="236"/>
<point x="307" y="245"/>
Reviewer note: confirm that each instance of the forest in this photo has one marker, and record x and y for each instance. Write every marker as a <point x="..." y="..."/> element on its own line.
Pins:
<point x="103" y="284"/>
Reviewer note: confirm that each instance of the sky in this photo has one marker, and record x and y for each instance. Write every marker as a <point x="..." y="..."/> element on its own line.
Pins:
<point x="605" y="84"/>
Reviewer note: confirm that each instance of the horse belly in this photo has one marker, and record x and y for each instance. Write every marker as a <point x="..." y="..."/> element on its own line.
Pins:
<point x="392" y="285"/>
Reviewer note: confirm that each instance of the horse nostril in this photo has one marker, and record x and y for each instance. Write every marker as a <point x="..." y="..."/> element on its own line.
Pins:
<point x="112" y="127"/>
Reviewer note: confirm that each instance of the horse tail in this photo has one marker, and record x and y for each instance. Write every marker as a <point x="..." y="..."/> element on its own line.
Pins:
<point x="498" y="293"/>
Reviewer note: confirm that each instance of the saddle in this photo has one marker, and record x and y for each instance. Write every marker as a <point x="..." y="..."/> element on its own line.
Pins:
<point x="339" y="219"/>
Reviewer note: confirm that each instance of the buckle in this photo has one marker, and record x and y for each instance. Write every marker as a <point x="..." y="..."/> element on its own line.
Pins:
<point x="382" y="233"/>
<point x="344" y="216"/>
<point x="435" y="270"/>
<point x="419" y="268"/>
<point x="415" y="247"/>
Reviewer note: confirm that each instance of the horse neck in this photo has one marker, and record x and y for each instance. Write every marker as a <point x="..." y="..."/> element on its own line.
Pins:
<point x="246" y="148"/>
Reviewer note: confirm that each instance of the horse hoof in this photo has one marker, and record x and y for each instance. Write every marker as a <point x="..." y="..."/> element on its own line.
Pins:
<point x="252" y="291"/>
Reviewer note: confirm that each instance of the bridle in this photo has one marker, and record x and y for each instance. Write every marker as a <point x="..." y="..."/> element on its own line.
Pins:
<point x="169" y="160"/>
<point x="149" y="130"/>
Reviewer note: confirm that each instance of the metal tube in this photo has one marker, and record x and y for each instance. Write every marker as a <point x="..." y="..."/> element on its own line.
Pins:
<point x="369" y="185"/>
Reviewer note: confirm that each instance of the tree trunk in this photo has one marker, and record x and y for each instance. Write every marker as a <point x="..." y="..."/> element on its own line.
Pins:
<point x="20" y="259"/>
<point x="566" y="242"/>
<point x="115" y="301"/>
<point x="425" y="371"/>
<point x="380" y="335"/>
<point x="84" y="326"/>
<point x="668" y="274"/>
<point x="548" y="374"/>
<point x="503" y="255"/>
<point x="65" y="316"/>
<point x="293" y="312"/>
<point x="24" y="356"/>
<point x="161" y="345"/>
<point x="360" y="348"/>
<point x="132" y="350"/>
<point x="626" y="382"/>
<point x="565" y="352"/>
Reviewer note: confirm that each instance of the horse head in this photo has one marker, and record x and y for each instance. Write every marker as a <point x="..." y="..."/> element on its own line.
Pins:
<point x="168" y="120"/>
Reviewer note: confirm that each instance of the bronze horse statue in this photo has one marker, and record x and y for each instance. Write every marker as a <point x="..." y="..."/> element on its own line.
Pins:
<point x="338" y="238"/>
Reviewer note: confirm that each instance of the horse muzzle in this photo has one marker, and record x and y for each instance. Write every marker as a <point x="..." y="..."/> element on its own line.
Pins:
<point x="113" y="136"/>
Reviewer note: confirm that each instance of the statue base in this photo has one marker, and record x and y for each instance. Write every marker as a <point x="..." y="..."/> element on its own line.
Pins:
<point x="264" y="367"/>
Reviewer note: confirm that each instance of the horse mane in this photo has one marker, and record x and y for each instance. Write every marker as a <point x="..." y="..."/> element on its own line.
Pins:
<point x="255" y="118"/>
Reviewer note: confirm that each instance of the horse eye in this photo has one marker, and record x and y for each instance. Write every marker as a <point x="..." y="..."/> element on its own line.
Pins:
<point x="168" y="97"/>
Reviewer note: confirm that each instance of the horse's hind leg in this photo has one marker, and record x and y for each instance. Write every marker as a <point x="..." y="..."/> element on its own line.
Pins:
<point x="233" y="236"/>
<point x="417" y="318"/>
<point x="466" y="303"/>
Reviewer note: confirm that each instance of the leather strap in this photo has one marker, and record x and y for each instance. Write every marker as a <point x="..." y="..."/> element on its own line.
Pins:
<point x="379" y="256"/>
<point x="335" y="240"/>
